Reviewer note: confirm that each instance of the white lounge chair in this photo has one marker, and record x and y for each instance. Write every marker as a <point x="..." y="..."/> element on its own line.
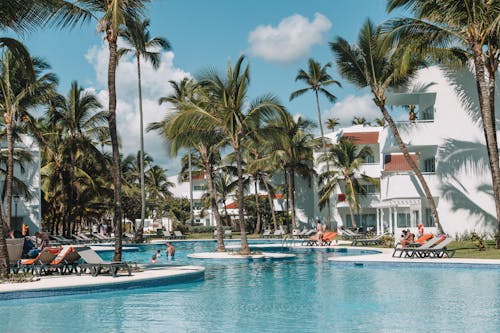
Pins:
<point x="15" y="250"/>
<point x="95" y="264"/>
<point x="178" y="234"/>
<point x="437" y="251"/>
<point x="369" y="241"/>
<point x="408" y="251"/>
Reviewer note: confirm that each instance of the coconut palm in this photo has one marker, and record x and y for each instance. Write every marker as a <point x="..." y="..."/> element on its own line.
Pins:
<point x="346" y="158"/>
<point x="376" y="64"/>
<point x="181" y="133"/>
<point x="331" y="123"/>
<point x="114" y="15"/>
<point x="142" y="45"/>
<point x="291" y="145"/>
<point x="18" y="93"/>
<point x="471" y="30"/>
<point x="317" y="79"/>
<point x="184" y="91"/>
<point x="360" y="121"/>
<point x="228" y="112"/>
<point x="79" y="121"/>
<point x="380" y="122"/>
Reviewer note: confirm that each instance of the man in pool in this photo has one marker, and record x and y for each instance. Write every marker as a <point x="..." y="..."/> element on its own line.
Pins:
<point x="170" y="250"/>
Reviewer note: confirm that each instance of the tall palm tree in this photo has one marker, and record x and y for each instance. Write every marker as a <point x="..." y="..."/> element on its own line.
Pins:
<point x="229" y="113"/>
<point x="184" y="91"/>
<point x="331" y="123"/>
<point x="78" y="121"/>
<point x="346" y="159"/>
<point x="18" y="93"/>
<point x="317" y="79"/>
<point x="471" y="30"/>
<point x="137" y="35"/>
<point x="291" y="145"/>
<point x="180" y="132"/>
<point x="114" y="15"/>
<point x="376" y="64"/>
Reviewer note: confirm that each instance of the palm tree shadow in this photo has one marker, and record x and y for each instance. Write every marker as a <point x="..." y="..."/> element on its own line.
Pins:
<point x="458" y="156"/>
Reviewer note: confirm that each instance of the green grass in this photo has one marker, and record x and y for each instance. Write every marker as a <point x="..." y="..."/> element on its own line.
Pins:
<point x="468" y="249"/>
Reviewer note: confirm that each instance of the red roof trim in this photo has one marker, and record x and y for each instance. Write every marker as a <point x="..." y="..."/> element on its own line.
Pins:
<point x="393" y="162"/>
<point x="362" y="138"/>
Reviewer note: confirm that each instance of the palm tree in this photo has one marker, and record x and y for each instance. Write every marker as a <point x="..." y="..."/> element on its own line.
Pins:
<point x="115" y="13"/>
<point x="380" y="122"/>
<point x="291" y="145"/>
<point x="228" y="112"/>
<point x="360" y="121"/>
<point x="376" y="64"/>
<point x="78" y="121"/>
<point x="18" y="93"/>
<point x="346" y="159"/>
<point x="177" y="128"/>
<point x="317" y="79"/>
<point x="469" y="29"/>
<point x="184" y="91"/>
<point x="138" y="36"/>
<point x="331" y="123"/>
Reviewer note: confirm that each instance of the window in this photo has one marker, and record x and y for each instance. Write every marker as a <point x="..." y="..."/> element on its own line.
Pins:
<point x="404" y="220"/>
<point x="368" y="189"/>
<point x="363" y="220"/>
<point x="428" y="218"/>
<point x="427" y="114"/>
<point x="198" y="188"/>
<point x="430" y="165"/>
<point x="369" y="159"/>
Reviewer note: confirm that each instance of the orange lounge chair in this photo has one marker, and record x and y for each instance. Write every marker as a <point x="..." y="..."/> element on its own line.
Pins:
<point x="41" y="262"/>
<point x="326" y="239"/>
<point x="424" y="238"/>
<point x="65" y="261"/>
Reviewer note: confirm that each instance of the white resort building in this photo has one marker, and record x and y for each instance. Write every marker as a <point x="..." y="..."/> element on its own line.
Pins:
<point x="445" y="140"/>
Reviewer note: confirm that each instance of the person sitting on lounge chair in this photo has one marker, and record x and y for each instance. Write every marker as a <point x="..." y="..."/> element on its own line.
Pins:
<point x="420" y="232"/>
<point x="320" y="229"/>
<point x="408" y="238"/>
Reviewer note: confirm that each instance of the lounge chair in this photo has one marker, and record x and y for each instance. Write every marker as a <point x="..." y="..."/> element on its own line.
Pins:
<point x="228" y="234"/>
<point x="325" y="241"/>
<point x="408" y="250"/>
<point x="349" y="234"/>
<point x="96" y="265"/>
<point x="15" y="250"/>
<point x="438" y="250"/>
<point x="102" y="239"/>
<point x="278" y="233"/>
<point x="66" y="261"/>
<point x="62" y="240"/>
<point x="41" y="263"/>
<point x="178" y="235"/>
<point x="369" y="241"/>
<point x="266" y="233"/>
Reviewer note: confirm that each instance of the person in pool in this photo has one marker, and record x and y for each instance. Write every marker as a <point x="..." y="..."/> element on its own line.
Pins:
<point x="170" y="250"/>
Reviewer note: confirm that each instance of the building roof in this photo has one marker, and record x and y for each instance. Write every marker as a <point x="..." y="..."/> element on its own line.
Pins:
<point x="362" y="138"/>
<point x="397" y="162"/>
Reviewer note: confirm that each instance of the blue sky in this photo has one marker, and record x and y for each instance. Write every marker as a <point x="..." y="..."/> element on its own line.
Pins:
<point x="277" y="36"/>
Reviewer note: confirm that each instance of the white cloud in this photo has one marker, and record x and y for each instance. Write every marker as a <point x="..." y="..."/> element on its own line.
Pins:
<point x="353" y="106"/>
<point x="291" y="40"/>
<point x="154" y="85"/>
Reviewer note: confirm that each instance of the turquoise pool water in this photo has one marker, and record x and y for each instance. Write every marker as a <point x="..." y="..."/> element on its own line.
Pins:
<point x="306" y="294"/>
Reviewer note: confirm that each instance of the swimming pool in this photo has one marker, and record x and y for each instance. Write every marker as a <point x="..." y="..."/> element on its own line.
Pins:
<point x="305" y="294"/>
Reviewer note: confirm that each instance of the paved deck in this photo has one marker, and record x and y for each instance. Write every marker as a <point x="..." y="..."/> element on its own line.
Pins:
<point x="384" y="257"/>
<point x="82" y="284"/>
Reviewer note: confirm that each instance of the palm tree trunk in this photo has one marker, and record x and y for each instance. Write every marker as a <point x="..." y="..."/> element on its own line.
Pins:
<point x="430" y="199"/>
<point x="486" y="101"/>
<point x="257" y="207"/>
<point x="4" y="255"/>
<point x="323" y="141"/>
<point x="245" y="249"/>
<point x="291" y="194"/>
<point x="9" y="117"/>
<point x="191" y="209"/>
<point x="140" y="230"/>
<point x="213" y="205"/>
<point x="271" y="204"/>
<point x="117" y="221"/>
